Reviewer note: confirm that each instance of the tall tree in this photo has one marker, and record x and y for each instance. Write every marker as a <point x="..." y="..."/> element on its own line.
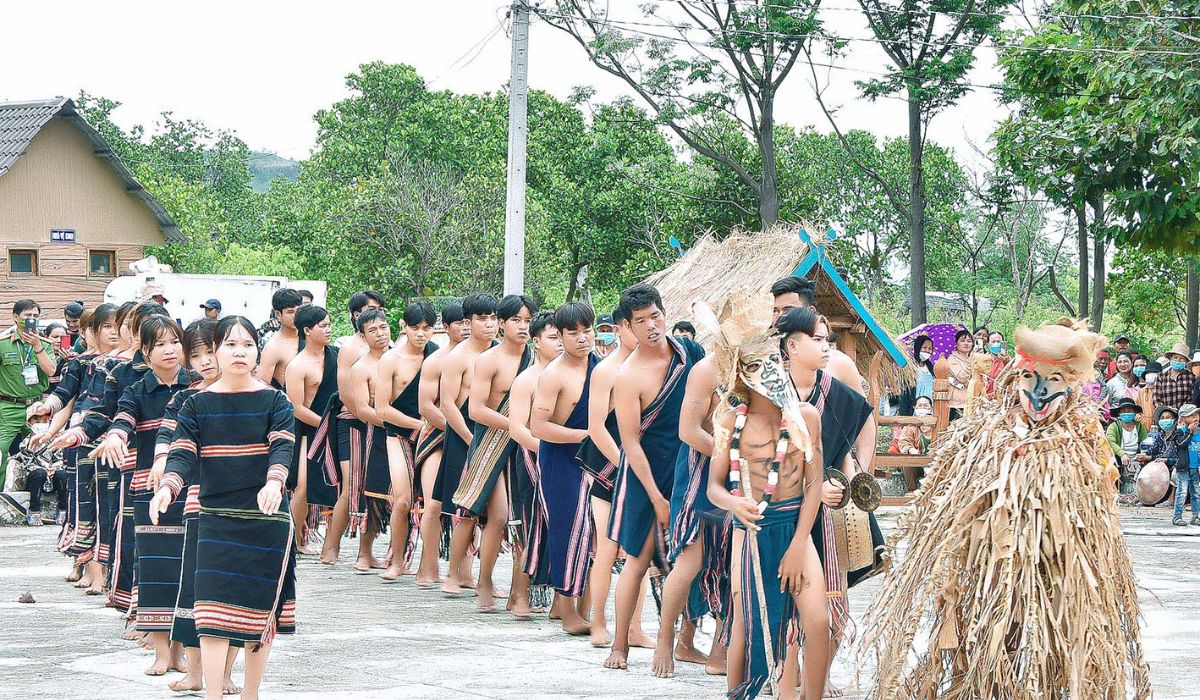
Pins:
<point x="696" y="61"/>
<point x="931" y="46"/>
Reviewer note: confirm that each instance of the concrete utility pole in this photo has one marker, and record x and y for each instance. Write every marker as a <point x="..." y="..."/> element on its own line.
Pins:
<point x="518" y="108"/>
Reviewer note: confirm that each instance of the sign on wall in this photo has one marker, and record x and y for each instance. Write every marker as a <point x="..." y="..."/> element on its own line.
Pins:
<point x="62" y="235"/>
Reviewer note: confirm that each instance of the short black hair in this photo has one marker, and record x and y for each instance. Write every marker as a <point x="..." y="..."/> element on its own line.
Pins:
<point x="153" y="326"/>
<point x="367" y="316"/>
<point x="999" y="333"/>
<point x="73" y="309"/>
<point x="306" y="293"/>
<point x="800" y="286"/>
<point x="639" y="296"/>
<point x="540" y="323"/>
<point x="199" y="334"/>
<point x="123" y="312"/>
<point x="452" y="313"/>
<point x="1123" y="353"/>
<point x="618" y="315"/>
<point x="684" y="326"/>
<point x="225" y="327"/>
<point x="478" y="304"/>
<point x="358" y="300"/>
<point x="512" y="304"/>
<point x="143" y="311"/>
<point x="981" y="328"/>
<point x="964" y="333"/>
<point x="801" y="319"/>
<point x="308" y="316"/>
<point x="53" y="327"/>
<point x="573" y="315"/>
<point x="419" y="312"/>
<point x="285" y="299"/>
<point x="24" y="305"/>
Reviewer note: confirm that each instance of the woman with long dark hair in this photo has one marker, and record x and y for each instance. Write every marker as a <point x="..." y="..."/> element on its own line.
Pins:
<point x="235" y="439"/>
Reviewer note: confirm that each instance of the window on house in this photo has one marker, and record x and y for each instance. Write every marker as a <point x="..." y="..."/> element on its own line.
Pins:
<point x="23" y="262"/>
<point x="101" y="263"/>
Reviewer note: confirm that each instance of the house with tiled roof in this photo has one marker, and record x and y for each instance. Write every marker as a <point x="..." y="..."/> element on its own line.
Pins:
<point x="72" y="216"/>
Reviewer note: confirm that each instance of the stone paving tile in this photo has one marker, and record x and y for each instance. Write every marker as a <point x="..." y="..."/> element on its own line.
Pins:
<point x="360" y="639"/>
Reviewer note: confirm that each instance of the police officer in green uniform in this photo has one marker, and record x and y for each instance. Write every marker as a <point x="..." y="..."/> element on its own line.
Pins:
<point x="26" y="363"/>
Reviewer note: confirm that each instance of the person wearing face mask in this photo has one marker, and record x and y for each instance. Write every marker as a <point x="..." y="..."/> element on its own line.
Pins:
<point x="1169" y="443"/>
<point x="1000" y="360"/>
<point x="606" y="335"/>
<point x="915" y="440"/>
<point x="1125" y="435"/>
<point x="1174" y="387"/>
<point x="922" y="350"/>
<point x="1187" y="467"/>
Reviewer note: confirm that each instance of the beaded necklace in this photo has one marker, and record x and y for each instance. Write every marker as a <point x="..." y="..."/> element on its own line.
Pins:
<point x="737" y="463"/>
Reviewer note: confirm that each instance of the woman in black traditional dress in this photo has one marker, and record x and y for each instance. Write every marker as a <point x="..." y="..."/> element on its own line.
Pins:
<point x="235" y="439"/>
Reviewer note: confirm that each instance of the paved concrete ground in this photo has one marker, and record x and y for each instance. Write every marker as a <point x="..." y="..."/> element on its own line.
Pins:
<point x="360" y="639"/>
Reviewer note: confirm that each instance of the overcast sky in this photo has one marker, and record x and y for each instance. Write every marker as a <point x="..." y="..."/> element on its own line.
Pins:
<point x="263" y="68"/>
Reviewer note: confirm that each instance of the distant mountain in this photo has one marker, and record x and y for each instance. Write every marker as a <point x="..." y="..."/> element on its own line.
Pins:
<point x="265" y="167"/>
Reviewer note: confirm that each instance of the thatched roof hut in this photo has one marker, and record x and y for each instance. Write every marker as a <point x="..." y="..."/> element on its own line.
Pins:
<point x="711" y="270"/>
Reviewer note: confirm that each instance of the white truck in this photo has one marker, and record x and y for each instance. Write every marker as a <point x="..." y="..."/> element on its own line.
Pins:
<point x="240" y="295"/>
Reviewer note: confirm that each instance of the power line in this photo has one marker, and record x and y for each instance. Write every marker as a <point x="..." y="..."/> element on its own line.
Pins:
<point x="625" y="25"/>
<point x="988" y="86"/>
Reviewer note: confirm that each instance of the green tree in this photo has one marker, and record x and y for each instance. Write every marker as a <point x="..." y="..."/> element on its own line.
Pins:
<point x="703" y="63"/>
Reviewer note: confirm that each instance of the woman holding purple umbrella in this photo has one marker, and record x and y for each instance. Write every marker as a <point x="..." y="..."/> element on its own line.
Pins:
<point x="922" y="352"/>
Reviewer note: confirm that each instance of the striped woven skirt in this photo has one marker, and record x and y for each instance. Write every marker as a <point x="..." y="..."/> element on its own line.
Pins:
<point x="245" y="584"/>
<point x="159" y="558"/>
<point x="124" y="559"/>
<point x="183" y="624"/>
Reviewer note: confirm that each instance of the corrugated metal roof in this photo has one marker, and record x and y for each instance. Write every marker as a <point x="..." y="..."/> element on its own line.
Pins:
<point x="20" y="122"/>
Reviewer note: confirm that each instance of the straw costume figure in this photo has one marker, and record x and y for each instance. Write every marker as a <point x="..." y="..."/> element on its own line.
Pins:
<point x="1014" y="551"/>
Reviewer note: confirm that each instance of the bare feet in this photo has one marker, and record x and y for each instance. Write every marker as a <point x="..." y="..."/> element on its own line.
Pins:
<point x="428" y="581"/>
<point x="159" y="667"/>
<point x="187" y="684"/>
<point x="574" y="624"/>
<point x="132" y="635"/>
<point x="600" y="636"/>
<point x="715" y="665"/>
<point x="145" y="643"/>
<point x="230" y="688"/>
<point x="307" y="551"/>
<point x="75" y="575"/>
<point x="392" y="574"/>
<point x="364" y="565"/>
<point x="641" y="640"/>
<point x="487" y="598"/>
<point x="452" y="587"/>
<point x="617" y="660"/>
<point x="330" y="555"/>
<point x="663" y="665"/>
<point x="690" y="654"/>
<point x="520" y="609"/>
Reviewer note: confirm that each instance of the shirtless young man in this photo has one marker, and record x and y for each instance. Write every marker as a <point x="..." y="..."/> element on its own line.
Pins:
<point x="492" y="378"/>
<point x="781" y="551"/>
<point x="309" y="390"/>
<point x="559" y="421"/>
<point x="396" y="404"/>
<point x="547" y="345"/>
<point x="454" y="389"/>
<point x="429" y="447"/>
<point x="283" y="346"/>
<point x="602" y="431"/>
<point x="373" y="325"/>
<point x="797" y="292"/>
<point x="648" y="395"/>
<point x="350" y="349"/>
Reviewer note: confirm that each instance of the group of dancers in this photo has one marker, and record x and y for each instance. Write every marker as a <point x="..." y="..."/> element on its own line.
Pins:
<point x="204" y="465"/>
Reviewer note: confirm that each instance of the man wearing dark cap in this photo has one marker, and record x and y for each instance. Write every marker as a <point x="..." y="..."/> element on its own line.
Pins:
<point x="606" y="335"/>
<point x="1120" y="345"/>
<point x="212" y="309"/>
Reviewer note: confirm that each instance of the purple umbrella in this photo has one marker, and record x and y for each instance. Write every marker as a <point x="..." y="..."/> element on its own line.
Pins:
<point x="942" y="335"/>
